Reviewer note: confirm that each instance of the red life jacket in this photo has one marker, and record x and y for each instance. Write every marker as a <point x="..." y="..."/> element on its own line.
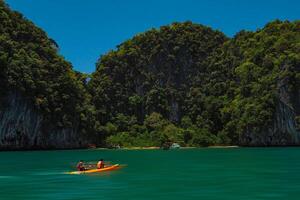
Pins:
<point x="79" y="166"/>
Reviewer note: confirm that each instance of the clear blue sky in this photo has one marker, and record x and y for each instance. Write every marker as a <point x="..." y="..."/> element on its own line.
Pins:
<point x="86" y="29"/>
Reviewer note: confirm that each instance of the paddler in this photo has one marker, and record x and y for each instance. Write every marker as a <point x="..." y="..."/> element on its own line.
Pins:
<point x="80" y="166"/>
<point x="100" y="164"/>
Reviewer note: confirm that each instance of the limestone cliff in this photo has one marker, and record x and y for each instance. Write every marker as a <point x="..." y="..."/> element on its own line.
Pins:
<point x="48" y="113"/>
<point x="23" y="127"/>
<point x="200" y="86"/>
<point x="284" y="130"/>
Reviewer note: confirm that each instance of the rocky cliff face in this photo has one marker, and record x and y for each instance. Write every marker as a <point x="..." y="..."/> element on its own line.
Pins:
<point x="284" y="131"/>
<point x="52" y="92"/>
<point x="23" y="127"/>
<point x="154" y="71"/>
<point x="220" y="86"/>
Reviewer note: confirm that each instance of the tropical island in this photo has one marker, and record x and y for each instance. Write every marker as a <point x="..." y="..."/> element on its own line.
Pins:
<point x="182" y="83"/>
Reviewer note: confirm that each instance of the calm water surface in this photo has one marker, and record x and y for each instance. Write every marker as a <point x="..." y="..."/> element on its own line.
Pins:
<point x="239" y="173"/>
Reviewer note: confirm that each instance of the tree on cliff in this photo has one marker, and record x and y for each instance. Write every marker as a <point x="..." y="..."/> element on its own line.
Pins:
<point x="31" y="66"/>
<point x="183" y="82"/>
<point x="226" y="88"/>
<point x="266" y="69"/>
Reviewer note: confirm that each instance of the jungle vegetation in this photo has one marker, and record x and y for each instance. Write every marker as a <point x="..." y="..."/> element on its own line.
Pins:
<point x="183" y="82"/>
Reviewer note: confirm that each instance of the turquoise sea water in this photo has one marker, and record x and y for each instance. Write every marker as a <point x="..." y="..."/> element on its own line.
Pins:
<point x="238" y="173"/>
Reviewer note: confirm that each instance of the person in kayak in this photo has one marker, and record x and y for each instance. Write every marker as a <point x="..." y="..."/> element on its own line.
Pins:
<point x="100" y="164"/>
<point x="80" y="166"/>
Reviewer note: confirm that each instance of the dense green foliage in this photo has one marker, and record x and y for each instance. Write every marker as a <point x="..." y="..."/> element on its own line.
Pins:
<point x="266" y="71"/>
<point x="183" y="83"/>
<point x="30" y="65"/>
<point x="207" y="89"/>
<point x="161" y="71"/>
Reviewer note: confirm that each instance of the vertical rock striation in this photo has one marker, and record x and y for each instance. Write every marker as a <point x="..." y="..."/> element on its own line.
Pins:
<point x="23" y="127"/>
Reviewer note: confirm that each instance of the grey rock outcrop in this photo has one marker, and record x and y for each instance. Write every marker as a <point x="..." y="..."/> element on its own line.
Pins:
<point x="23" y="127"/>
<point x="284" y="130"/>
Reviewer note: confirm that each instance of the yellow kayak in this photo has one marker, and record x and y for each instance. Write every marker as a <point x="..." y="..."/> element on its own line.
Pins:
<point x="110" y="168"/>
